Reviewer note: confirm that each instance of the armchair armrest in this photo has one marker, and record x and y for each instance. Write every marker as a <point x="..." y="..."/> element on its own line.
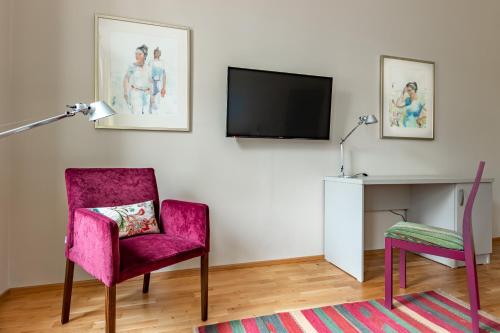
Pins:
<point x="96" y="245"/>
<point x="186" y="220"/>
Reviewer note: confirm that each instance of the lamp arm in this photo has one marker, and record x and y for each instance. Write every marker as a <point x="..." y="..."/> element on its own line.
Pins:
<point x="342" y="140"/>
<point x="69" y="113"/>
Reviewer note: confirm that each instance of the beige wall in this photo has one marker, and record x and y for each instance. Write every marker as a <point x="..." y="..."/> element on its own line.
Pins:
<point x="5" y="144"/>
<point x="265" y="195"/>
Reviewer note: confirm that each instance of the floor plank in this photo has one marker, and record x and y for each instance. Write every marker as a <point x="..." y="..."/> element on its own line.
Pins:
<point x="173" y="302"/>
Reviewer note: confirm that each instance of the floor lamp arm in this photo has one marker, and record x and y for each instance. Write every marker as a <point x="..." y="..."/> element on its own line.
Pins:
<point x="36" y="124"/>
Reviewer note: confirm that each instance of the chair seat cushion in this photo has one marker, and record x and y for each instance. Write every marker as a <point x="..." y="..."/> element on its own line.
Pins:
<point x="425" y="234"/>
<point x="145" y="253"/>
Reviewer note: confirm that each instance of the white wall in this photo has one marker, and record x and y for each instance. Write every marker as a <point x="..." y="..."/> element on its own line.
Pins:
<point x="266" y="196"/>
<point x="6" y="144"/>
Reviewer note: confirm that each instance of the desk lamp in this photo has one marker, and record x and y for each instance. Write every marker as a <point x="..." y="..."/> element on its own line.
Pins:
<point x="367" y="120"/>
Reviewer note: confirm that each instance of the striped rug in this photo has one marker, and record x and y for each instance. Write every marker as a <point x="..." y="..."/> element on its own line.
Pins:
<point x="431" y="311"/>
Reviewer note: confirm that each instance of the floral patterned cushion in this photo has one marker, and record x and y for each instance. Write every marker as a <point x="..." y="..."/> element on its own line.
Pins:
<point x="134" y="219"/>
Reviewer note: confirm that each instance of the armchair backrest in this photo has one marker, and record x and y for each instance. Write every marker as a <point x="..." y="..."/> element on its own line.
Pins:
<point x="104" y="187"/>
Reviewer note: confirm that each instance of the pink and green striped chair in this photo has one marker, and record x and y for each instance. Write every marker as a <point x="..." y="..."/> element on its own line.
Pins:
<point x="414" y="237"/>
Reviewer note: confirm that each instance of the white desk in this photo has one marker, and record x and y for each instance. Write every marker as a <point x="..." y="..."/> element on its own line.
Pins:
<point x="433" y="200"/>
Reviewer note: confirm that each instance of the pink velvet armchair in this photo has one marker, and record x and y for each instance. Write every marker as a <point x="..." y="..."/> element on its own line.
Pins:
<point x="93" y="243"/>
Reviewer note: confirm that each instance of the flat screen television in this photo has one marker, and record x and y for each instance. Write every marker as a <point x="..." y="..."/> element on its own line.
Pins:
<point x="265" y="104"/>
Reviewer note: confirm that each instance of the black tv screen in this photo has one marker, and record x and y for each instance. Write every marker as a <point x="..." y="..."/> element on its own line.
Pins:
<point x="277" y="105"/>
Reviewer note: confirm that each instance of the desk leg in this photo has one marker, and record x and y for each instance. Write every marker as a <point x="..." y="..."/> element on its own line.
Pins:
<point x="344" y="230"/>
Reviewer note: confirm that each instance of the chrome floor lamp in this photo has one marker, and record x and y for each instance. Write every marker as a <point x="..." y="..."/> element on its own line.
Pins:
<point x="93" y="111"/>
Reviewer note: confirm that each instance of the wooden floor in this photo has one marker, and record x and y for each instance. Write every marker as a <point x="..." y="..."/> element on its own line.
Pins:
<point x="173" y="302"/>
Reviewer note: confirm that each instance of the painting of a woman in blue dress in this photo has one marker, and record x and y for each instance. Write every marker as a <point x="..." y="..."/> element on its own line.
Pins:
<point x="409" y="110"/>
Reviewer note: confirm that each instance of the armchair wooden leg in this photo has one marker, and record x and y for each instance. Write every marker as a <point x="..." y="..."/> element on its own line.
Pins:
<point x="145" y="284"/>
<point x="204" y="287"/>
<point x="68" y="288"/>
<point x="110" y="309"/>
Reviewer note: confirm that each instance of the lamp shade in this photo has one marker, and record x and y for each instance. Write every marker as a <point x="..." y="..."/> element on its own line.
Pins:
<point x="100" y="110"/>
<point x="371" y="119"/>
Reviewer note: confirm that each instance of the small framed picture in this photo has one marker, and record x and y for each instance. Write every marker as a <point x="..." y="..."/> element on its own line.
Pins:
<point x="142" y="70"/>
<point x="407" y="94"/>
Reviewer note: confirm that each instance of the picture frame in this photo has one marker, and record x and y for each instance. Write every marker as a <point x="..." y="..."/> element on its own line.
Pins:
<point x="143" y="71"/>
<point x="407" y="98"/>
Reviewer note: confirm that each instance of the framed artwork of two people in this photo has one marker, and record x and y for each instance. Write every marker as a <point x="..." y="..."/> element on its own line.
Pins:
<point x="143" y="72"/>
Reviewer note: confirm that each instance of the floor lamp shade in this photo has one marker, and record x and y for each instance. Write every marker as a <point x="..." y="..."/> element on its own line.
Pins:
<point x="99" y="110"/>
